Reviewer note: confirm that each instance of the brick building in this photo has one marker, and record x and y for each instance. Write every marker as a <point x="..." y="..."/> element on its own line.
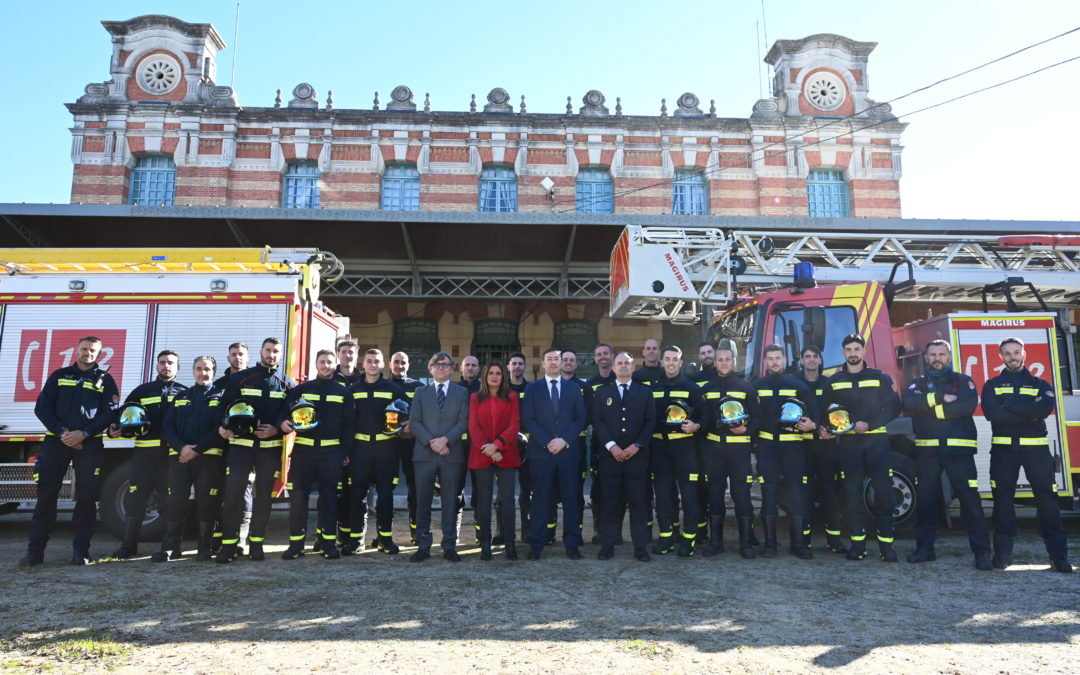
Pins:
<point x="476" y="230"/>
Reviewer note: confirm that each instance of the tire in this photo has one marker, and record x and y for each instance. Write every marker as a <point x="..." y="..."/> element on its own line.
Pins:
<point x="904" y="496"/>
<point x="112" y="507"/>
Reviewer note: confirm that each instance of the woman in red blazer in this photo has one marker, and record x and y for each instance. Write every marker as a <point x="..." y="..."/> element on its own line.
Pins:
<point x="493" y="452"/>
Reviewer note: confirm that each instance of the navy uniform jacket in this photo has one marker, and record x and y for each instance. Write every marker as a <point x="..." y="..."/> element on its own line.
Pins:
<point x="1017" y="405"/>
<point x="773" y="391"/>
<point x="538" y="416"/>
<point x="947" y="428"/>
<point x="155" y="396"/>
<point x="736" y="387"/>
<point x="624" y="421"/>
<point x="193" y="418"/>
<point x="822" y="393"/>
<point x="365" y="414"/>
<point x="704" y="376"/>
<point x="868" y="395"/>
<point x="76" y="400"/>
<point x="649" y="375"/>
<point x="328" y="397"/>
<point x="265" y="390"/>
<point x="349" y="380"/>
<point x="679" y="388"/>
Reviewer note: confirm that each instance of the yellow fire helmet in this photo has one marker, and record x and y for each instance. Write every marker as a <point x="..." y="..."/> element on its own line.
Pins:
<point x="397" y="414"/>
<point x="791" y="412"/>
<point x="133" y="420"/>
<point x="732" y="412"/>
<point x="241" y="416"/>
<point x="677" y="413"/>
<point x="838" y="419"/>
<point x="303" y="415"/>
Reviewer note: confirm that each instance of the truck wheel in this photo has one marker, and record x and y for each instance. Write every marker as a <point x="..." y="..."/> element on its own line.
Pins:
<point x="904" y="498"/>
<point x="112" y="506"/>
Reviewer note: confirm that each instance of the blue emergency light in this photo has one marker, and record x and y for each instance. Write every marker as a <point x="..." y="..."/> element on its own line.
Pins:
<point x="804" y="275"/>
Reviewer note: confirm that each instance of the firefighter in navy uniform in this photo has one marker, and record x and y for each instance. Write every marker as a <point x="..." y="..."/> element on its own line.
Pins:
<point x="75" y="405"/>
<point x="150" y="457"/>
<point x="822" y="462"/>
<point x="871" y="400"/>
<point x="604" y="376"/>
<point x="705" y="373"/>
<point x="264" y="389"/>
<point x="726" y="451"/>
<point x="649" y="374"/>
<point x="315" y="410"/>
<point x="190" y="430"/>
<point x="517" y="383"/>
<point x="788" y="410"/>
<point x="373" y="457"/>
<point x="674" y="453"/>
<point x="1017" y="404"/>
<point x="348" y="374"/>
<point x="399" y="375"/>
<point x="941" y="404"/>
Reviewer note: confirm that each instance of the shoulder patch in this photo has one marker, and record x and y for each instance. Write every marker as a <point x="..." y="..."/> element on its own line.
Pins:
<point x="1049" y="392"/>
<point x="971" y="384"/>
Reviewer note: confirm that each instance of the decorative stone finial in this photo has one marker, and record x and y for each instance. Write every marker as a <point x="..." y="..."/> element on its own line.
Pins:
<point x="688" y="106"/>
<point x="594" y="104"/>
<point x="401" y="99"/>
<point x="330" y="99"/>
<point x="376" y="101"/>
<point x="663" y="107"/>
<point x="427" y="102"/>
<point x="472" y="105"/>
<point x="712" y="107"/>
<point x="569" y="106"/>
<point x="522" y="108"/>
<point x="277" y="99"/>
<point x="618" y="106"/>
<point x="497" y="101"/>
<point x="303" y="96"/>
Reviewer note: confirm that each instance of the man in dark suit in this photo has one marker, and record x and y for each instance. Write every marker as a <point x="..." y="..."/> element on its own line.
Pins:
<point x="439" y="415"/>
<point x="553" y="410"/>
<point x="623" y="417"/>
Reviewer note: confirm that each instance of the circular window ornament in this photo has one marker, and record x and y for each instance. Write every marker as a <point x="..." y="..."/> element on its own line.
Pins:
<point x="158" y="74"/>
<point x="825" y="91"/>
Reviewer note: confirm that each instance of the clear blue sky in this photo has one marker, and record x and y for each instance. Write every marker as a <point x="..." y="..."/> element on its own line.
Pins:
<point x="1011" y="153"/>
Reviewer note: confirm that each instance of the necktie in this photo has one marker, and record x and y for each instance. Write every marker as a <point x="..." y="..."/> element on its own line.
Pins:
<point x="555" y="397"/>
<point x="440" y="395"/>
<point x="622" y="395"/>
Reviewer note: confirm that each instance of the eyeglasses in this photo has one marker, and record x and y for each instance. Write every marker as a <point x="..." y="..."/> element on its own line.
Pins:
<point x="442" y="364"/>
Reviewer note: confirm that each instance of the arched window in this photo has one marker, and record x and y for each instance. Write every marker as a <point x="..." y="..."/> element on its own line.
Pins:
<point x="578" y="336"/>
<point x="300" y="189"/>
<point x="827" y="194"/>
<point x="494" y="339"/>
<point x="595" y="192"/>
<point x="153" y="181"/>
<point x="419" y="338"/>
<point x="498" y="190"/>
<point x="400" y="188"/>
<point x="688" y="194"/>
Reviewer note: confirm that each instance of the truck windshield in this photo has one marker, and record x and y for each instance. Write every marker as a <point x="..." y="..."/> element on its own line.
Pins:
<point x="740" y="328"/>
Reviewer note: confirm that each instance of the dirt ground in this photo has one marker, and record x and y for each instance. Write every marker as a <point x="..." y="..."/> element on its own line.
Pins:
<point x="379" y="613"/>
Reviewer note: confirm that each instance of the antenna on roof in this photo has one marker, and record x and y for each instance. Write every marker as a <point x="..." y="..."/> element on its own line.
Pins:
<point x="235" y="46"/>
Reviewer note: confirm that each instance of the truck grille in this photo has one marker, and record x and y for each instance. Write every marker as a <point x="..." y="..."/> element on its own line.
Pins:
<point x="17" y="483"/>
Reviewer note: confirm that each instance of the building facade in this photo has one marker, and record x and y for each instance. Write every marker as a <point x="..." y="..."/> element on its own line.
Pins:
<point x="161" y="133"/>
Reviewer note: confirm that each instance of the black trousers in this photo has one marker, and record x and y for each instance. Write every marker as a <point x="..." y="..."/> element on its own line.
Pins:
<point x="149" y="475"/>
<point x="305" y="468"/>
<point x="373" y="462"/>
<point x="624" y="483"/>
<point x="704" y="496"/>
<point x="725" y="463"/>
<point x="405" y="452"/>
<point x="1038" y="465"/>
<point x="51" y="467"/>
<point x="205" y="473"/>
<point x="674" y="465"/>
<point x="556" y="477"/>
<point x="782" y="461"/>
<point x="862" y="455"/>
<point x="823" y="481"/>
<point x="962" y="475"/>
<point x="484" y="482"/>
<point x="240" y="460"/>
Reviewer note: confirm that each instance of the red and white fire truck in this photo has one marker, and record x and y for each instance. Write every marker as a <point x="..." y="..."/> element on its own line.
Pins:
<point x="140" y="302"/>
<point x="899" y="290"/>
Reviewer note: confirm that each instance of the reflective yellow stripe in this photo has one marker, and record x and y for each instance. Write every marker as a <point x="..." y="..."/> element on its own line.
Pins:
<point x="764" y="392"/>
<point x="808" y="437"/>
<point x="150" y="400"/>
<point x="931" y="399"/>
<point x="90" y="385"/>
<point x="879" y="430"/>
<point x="737" y="394"/>
<point x="671" y="437"/>
<point x="181" y="402"/>
<point x="1030" y="391"/>
<point x="819" y="391"/>
<point x="939" y="412"/>
<point x="276" y="394"/>
<point x="679" y="394"/>
<point x="885" y="540"/>
<point x="215" y="452"/>
<point x="1001" y="440"/>
<point x="1004" y="390"/>
<point x="858" y="537"/>
<point x="713" y="394"/>
<point x="173" y="453"/>
<point x="993" y="483"/>
<point x="787" y="392"/>
<point x="151" y="443"/>
<point x="382" y="394"/>
<point x="251" y="392"/>
<point x="1032" y="441"/>
<point x="835" y="533"/>
<point x="376" y="437"/>
<point x="693" y="477"/>
<point x="410" y="394"/>
<point x="214" y="402"/>
<point x="728" y="439"/>
<point x="359" y="394"/>
<point x="335" y="398"/>
<point x="246" y="442"/>
<point x="311" y="397"/>
<point x="927" y="443"/>
<point x="869" y="383"/>
<point x="68" y="383"/>
<point x="296" y="537"/>
<point x="767" y="435"/>
<point x="230" y="541"/>
<point x="962" y="442"/>
<point x="257" y="540"/>
<point x="791" y="437"/>
<point x="973" y="483"/>
<point x="325" y="442"/>
<point x="841" y="385"/>
<point x="270" y="444"/>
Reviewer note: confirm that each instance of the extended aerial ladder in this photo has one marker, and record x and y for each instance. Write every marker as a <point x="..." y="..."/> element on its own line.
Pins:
<point x="669" y="273"/>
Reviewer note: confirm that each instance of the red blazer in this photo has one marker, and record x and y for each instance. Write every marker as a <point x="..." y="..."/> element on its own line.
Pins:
<point x="493" y="421"/>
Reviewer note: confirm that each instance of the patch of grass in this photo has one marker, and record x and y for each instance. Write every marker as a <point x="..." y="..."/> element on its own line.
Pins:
<point x="83" y="646"/>
<point x="646" y="648"/>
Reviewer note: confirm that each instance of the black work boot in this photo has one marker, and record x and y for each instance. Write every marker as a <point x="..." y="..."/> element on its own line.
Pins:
<point x="295" y="550"/>
<point x="33" y="558"/>
<point x="798" y="539"/>
<point x="746" y="525"/>
<point x="352" y="546"/>
<point x="834" y="543"/>
<point x="858" y="548"/>
<point x="716" y="537"/>
<point x="126" y="551"/>
<point x="921" y="555"/>
<point x="687" y="545"/>
<point x="769" y="549"/>
<point x="752" y="535"/>
<point x="664" y="545"/>
<point x="330" y="550"/>
<point x="206" y="542"/>
<point x="227" y="553"/>
<point x="386" y="544"/>
<point x="485" y="546"/>
<point x="255" y="551"/>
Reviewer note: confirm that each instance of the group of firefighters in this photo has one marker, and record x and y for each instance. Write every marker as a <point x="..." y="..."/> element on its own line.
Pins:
<point x="664" y="445"/>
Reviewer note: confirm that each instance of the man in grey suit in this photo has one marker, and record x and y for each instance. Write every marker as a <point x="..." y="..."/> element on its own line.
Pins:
<point x="438" y="417"/>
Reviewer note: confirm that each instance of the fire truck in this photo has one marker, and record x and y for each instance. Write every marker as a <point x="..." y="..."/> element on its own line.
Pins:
<point x="973" y="287"/>
<point x="140" y="302"/>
